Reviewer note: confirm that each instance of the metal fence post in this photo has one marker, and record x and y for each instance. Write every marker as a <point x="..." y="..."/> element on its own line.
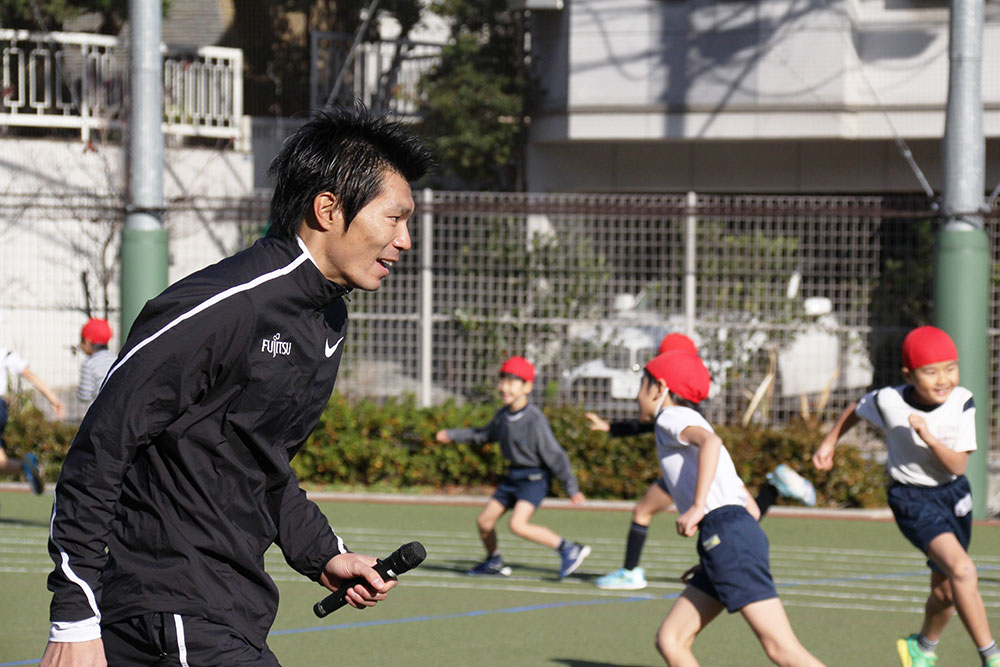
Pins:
<point x="690" y="263"/>
<point x="426" y="295"/>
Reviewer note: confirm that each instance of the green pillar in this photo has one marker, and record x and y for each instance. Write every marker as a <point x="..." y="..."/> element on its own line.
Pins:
<point x="961" y="307"/>
<point x="144" y="271"/>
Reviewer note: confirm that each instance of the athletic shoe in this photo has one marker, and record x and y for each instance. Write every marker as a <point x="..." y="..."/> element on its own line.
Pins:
<point x="572" y="557"/>
<point x="993" y="660"/>
<point x="623" y="580"/>
<point x="911" y="655"/>
<point x="492" y="566"/>
<point x="29" y="464"/>
<point x="791" y="484"/>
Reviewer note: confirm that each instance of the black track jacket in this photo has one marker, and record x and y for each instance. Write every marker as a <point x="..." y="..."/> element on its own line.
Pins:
<point x="181" y="466"/>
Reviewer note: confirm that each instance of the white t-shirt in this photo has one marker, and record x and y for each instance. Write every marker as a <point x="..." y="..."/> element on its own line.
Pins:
<point x="911" y="461"/>
<point x="679" y="463"/>
<point x="10" y="364"/>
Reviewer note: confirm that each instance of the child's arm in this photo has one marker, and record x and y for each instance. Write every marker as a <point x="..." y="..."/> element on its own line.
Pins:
<point x="709" y="446"/>
<point x="57" y="406"/>
<point x="618" y="429"/>
<point x="477" y="436"/>
<point x="823" y="458"/>
<point x="955" y="462"/>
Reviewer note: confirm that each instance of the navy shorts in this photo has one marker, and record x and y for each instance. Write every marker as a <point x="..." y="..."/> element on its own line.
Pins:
<point x="924" y="512"/>
<point x="662" y="483"/>
<point x="3" y="421"/>
<point x="531" y="484"/>
<point x="735" y="567"/>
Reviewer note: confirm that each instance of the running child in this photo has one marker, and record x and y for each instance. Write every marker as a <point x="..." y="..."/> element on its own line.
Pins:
<point x="534" y="456"/>
<point x="630" y="576"/>
<point x="734" y="572"/>
<point x="930" y="430"/>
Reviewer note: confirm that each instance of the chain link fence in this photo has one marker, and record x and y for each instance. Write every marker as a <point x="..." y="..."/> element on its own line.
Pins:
<point x="797" y="303"/>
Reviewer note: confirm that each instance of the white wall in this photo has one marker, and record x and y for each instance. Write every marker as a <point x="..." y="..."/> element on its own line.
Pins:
<point x="49" y="234"/>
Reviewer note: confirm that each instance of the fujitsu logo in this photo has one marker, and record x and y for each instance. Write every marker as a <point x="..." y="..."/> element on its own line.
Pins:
<point x="275" y="346"/>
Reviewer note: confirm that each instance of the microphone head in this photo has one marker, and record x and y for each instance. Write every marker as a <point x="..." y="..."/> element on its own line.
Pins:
<point x="410" y="555"/>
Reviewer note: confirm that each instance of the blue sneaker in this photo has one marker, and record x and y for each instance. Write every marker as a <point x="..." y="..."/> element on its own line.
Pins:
<point x="623" y="580"/>
<point x="572" y="558"/>
<point x="29" y="464"/>
<point x="492" y="566"/>
<point x="791" y="484"/>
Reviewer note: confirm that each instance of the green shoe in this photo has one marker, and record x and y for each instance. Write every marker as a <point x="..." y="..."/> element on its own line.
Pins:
<point x="993" y="660"/>
<point x="911" y="655"/>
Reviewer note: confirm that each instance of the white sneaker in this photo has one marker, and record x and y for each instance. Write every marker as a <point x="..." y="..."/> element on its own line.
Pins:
<point x="791" y="484"/>
<point x="623" y="580"/>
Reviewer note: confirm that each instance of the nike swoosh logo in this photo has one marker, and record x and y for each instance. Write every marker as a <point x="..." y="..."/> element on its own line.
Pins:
<point x="330" y="350"/>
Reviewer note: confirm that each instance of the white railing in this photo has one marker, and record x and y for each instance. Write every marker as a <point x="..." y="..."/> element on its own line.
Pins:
<point x="79" y="81"/>
<point x="384" y="75"/>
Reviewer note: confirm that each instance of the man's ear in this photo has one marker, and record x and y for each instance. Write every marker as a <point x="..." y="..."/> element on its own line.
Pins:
<point x="328" y="212"/>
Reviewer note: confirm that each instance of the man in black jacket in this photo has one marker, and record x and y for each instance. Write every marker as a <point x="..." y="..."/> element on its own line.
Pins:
<point x="179" y="478"/>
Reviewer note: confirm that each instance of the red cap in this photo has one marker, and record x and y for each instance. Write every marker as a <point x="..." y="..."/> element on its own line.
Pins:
<point x="927" y="345"/>
<point x="96" y="331"/>
<point x="684" y="374"/>
<point x="677" y="341"/>
<point x="519" y="367"/>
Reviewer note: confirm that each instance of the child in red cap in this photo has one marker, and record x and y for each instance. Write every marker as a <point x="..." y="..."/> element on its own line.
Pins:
<point x="930" y="430"/>
<point x="733" y="572"/>
<point x="527" y="442"/>
<point x="94" y="338"/>
<point x="630" y="576"/>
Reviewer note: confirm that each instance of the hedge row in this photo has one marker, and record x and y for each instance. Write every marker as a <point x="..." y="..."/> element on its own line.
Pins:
<point x="390" y="446"/>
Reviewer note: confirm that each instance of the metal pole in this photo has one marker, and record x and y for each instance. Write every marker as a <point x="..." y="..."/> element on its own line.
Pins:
<point x="690" y="263"/>
<point x="426" y="296"/>
<point x="144" y="241"/>
<point x="962" y="259"/>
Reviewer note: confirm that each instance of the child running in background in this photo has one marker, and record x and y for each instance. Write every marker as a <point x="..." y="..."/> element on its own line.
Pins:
<point x="929" y="425"/>
<point x="13" y="364"/>
<point x="534" y="457"/>
<point x="630" y="576"/>
<point x="734" y="572"/>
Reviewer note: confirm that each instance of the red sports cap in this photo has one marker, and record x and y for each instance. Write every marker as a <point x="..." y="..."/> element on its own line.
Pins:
<point x="683" y="372"/>
<point x="96" y="331"/>
<point x="927" y="345"/>
<point x="519" y="367"/>
<point x="677" y="341"/>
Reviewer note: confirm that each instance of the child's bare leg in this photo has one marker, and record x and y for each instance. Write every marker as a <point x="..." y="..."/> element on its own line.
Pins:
<point x="947" y="552"/>
<point x="653" y="502"/>
<point x="769" y="622"/>
<point x="692" y="611"/>
<point x="486" y="522"/>
<point x="939" y="608"/>
<point x="8" y="464"/>
<point x="520" y="525"/>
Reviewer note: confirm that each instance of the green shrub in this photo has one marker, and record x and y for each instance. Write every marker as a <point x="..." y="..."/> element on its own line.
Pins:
<point x="28" y="430"/>
<point x="855" y="481"/>
<point x="390" y="445"/>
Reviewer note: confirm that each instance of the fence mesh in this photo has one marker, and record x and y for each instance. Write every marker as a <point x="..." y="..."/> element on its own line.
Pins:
<point x="797" y="303"/>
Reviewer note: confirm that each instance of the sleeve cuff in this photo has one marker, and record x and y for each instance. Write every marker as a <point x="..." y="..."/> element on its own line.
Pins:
<point x="75" y="631"/>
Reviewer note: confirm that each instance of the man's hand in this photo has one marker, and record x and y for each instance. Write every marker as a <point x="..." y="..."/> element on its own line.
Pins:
<point x="577" y="498"/>
<point x="74" y="654"/>
<point x="596" y="423"/>
<point x="344" y="567"/>
<point x="442" y="436"/>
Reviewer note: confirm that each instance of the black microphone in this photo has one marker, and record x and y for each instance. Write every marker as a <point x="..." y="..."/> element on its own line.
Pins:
<point x="403" y="559"/>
